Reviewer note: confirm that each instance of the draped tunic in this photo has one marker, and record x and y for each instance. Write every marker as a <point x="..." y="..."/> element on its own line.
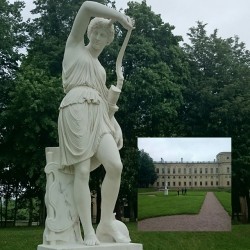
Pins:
<point x="83" y="113"/>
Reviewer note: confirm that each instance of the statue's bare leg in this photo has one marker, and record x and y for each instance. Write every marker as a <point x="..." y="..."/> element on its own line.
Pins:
<point x="82" y="198"/>
<point x="108" y="154"/>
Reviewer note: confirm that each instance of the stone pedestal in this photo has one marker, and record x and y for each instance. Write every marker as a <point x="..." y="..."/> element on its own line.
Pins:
<point x="103" y="246"/>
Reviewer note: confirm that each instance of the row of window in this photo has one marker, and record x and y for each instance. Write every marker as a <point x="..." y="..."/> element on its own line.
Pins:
<point x="202" y="170"/>
<point x="195" y="184"/>
<point x="195" y="177"/>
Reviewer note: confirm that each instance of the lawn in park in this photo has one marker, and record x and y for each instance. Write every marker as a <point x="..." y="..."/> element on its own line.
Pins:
<point x="154" y="204"/>
<point x="225" y="200"/>
<point x="24" y="238"/>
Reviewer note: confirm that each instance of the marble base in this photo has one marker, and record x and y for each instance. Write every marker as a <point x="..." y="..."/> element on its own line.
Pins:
<point x="103" y="246"/>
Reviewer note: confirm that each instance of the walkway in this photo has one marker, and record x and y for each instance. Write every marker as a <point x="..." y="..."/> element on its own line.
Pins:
<point x="212" y="217"/>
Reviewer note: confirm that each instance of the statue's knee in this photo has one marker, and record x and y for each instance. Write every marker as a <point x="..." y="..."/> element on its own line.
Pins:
<point x="82" y="172"/>
<point x="116" y="169"/>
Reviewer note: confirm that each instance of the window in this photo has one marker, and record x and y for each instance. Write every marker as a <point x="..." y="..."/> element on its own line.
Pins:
<point x="217" y="170"/>
<point x="205" y="183"/>
<point x="195" y="170"/>
<point x="179" y="177"/>
<point x="195" y="183"/>
<point x="185" y="170"/>
<point x="173" y="170"/>
<point x="190" y="170"/>
<point x="206" y="170"/>
<point x="157" y="184"/>
<point x="174" y="183"/>
<point x="217" y="183"/>
<point x="163" y="170"/>
<point x="228" y="170"/>
<point x="179" y="170"/>
<point x="200" y="170"/>
<point x="200" y="183"/>
<point x="185" y="184"/>
<point x="228" y="183"/>
<point x="179" y="183"/>
<point x="190" y="183"/>
<point x="163" y="184"/>
<point x="169" y="183"/>
<point x="212" y="170"/>
<point x="212" y="183"/>
<point x="157" y="170"/>
<point x="168" y="170"/>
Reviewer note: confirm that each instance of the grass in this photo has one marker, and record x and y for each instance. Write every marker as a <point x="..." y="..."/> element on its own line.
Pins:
<point x="20" y="238"/>
<point x="225" y="200"/>
<point x="155" y="204"/>
<point x="23" y="238"/>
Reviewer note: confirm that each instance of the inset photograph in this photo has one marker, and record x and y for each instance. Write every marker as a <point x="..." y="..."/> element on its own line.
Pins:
<point x="184" y="184"/>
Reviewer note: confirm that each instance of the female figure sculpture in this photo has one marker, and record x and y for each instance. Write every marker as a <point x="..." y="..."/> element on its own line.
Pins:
<point x="88" y="136"/>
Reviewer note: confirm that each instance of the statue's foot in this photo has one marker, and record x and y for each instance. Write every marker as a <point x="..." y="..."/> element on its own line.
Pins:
<point x="113" y="231"/>
<point x="91" y="240"/>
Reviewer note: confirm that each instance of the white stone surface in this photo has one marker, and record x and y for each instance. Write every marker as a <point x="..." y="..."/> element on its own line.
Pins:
<point x="103" y="246"/>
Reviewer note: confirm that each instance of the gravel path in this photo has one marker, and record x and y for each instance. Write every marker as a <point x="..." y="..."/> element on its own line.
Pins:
<point x="212" y="217"/>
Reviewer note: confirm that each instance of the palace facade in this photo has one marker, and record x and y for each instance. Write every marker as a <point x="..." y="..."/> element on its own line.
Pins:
<point x="215" y="174"/>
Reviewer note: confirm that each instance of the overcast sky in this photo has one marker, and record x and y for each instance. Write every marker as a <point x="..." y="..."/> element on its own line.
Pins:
<point x="190" y="149"/>
<point x="230" y="17"/>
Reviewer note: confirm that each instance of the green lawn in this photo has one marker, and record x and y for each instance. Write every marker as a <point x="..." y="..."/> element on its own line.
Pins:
<point x="155" y="204"/>
<point x="225" y="200"/>
<point x="22" y="238"/>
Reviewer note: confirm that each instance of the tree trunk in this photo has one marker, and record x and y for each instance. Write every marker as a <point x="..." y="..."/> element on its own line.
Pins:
<point x="15" y="210"/>
<point x="42" y="212"/>
<point x="98" y="204"/>
<point x="30" y="211"/>
<point x="133" y="208"/>
<point x="6" y="205"/>
<point x="1" y="211"/>
<point x="118" y="210"/>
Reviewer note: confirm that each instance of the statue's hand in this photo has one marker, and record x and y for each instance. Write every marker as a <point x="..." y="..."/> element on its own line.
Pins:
<point x="126" y="22"/>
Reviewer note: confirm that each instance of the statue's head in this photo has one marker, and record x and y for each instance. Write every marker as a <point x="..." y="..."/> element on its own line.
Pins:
<point x="103" y="24"/>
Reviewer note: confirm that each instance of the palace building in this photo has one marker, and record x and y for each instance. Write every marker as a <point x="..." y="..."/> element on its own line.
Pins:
<point x="213" y="174"/>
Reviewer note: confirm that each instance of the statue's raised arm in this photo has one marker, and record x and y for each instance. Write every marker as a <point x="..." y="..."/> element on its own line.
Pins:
<point x="92" y="9"/>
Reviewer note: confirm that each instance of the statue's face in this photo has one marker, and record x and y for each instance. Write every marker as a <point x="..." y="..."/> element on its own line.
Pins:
<point x="98" y="39"/>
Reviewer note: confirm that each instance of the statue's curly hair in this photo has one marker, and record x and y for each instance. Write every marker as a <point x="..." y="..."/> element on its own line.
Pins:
<point x="99" y="22"/>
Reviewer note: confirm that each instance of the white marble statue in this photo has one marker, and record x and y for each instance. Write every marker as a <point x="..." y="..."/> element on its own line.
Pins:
<point x="89" y="135"/>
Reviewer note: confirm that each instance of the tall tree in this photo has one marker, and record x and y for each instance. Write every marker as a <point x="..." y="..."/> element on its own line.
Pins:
<point x="13" y="38"/>
<point x="147" y="175"/>
<point x="217" y="99"/>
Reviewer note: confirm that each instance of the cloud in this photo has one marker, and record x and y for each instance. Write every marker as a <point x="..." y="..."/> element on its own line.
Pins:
<point x="189" y="149"/>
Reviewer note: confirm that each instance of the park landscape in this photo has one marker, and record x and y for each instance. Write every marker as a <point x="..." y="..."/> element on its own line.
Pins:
<point x="172" y="89"/>
<point x="238" y="238"/>
<point x="197" y="210"/>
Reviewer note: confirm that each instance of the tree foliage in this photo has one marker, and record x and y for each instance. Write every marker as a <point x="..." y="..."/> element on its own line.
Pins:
<point x="217" y="98"/>
<point x="147" y="175"/>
